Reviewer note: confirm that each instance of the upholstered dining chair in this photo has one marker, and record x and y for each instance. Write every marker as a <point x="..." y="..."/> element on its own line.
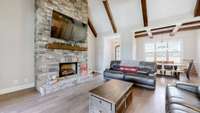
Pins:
<point x="187" y="72"/>
<point x="168" y="68"/>
<point x="159" y="69"/>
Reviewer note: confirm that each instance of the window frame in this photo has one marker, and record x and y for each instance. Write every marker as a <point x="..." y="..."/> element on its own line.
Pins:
<point x="117" y="47"/>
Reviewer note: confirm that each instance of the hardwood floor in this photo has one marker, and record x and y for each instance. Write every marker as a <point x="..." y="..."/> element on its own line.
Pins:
<point x="75" y="99"/>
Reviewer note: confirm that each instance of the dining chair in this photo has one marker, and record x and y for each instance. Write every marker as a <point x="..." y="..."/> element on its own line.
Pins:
<point x="159" y="70"/>
<point x="189" y="70"/>
<point x="168" y="68"/>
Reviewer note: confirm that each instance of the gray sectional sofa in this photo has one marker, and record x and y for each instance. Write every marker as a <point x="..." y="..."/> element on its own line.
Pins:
<point x="145" y="76"/>
<point x="183" y="98"/>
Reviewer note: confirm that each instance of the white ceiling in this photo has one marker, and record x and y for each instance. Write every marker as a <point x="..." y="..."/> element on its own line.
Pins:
<point x="128" y="13"/>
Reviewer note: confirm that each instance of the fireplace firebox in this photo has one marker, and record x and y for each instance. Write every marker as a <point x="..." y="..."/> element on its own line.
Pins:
<point x="68" y="69"/>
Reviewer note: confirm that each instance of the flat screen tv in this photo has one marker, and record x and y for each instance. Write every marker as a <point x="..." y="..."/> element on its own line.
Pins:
<point x="67" y="28"/>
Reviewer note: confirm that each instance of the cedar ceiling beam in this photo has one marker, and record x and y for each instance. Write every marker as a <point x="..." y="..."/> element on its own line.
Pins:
<point x="188" y="28"/>
<point x="154" y="33"/>
<point x="109" y="13"/>
<point x="160" y="28"/>
<point x="140" y="31"/>
<point x="163" y="32"/>
<point x="190" y="23"/>
<point x="92" y="27"/>
<point x="197" y="9"/>
<point x="144" y="12"/>
<point x="155" y="29"/>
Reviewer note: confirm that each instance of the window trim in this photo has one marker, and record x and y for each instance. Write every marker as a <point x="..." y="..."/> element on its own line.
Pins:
<point x="116" y="47"/>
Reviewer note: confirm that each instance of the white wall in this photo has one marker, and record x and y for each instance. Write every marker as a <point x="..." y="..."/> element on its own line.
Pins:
<point x="16" y="45"/>
<point x="102" y="52"/>
<point x="114" y="42"/>
<point x="134" y="48"/>
<point x="99" y="54"/>
<point x="105" y="51"/>
<point x="198" y="51"/>
<point x="91" y="52"/>
<point x="126" y="39"/>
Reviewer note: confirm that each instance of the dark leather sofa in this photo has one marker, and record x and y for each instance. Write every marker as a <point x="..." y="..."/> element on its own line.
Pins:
<point x="183" y="98"/>
<point x="145" y="76"/>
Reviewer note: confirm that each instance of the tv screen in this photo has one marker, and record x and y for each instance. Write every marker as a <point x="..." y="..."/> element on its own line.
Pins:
<point x="66" y="28"/>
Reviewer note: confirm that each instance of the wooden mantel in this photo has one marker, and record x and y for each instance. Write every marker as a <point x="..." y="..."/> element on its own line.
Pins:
<point x="62" y="46"/>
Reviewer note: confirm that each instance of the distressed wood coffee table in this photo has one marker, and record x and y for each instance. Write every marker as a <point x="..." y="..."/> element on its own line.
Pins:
<point x="113" y="96"/>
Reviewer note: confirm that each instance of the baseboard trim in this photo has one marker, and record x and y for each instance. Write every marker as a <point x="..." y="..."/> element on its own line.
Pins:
<point x="17" y="88"/>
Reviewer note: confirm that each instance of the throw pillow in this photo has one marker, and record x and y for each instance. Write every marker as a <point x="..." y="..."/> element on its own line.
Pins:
<point x="128" y="69"/>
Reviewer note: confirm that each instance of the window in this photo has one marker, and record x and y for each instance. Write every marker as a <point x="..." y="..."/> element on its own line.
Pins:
<point x="117" y="52"/>
<point x="174" y="51"/>
<point x="149" y="52"/>
<point x="163" y="51"/>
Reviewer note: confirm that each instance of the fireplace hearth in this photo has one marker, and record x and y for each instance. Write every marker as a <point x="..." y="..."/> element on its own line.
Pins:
<point x="68" y="69"/>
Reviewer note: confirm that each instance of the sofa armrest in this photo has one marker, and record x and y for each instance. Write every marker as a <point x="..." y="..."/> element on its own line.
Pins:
<point x="113" y="71"/>
<point x="188" y="87"/>
<point x="106" y="69"/>
<point x="152" y="74"/>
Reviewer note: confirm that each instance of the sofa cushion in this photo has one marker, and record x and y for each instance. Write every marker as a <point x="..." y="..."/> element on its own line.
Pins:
<point x="173" y="91"/>
<point x="141" y="79"/>
<point x="145" y="71"/>
<point x="179" y="111"/>
<point x="148" y="65"/>
<point x="179" y="96"/>
<point x="182" y="101"/>
<point x="115" y="68"/>
<point x="177" y="108"/>
<point x="114" y="64"/>
<point x="113" y="74"/>
<point x="131" y="63"/>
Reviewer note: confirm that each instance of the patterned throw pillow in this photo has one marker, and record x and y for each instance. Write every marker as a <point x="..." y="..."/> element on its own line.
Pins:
<point x="128" y="69"/>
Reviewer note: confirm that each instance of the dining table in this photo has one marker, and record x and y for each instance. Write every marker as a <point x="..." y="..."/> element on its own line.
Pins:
<point x="177" y="69"/>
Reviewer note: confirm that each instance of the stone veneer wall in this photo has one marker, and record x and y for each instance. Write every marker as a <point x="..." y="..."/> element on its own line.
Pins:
<point x="46" y="60"/>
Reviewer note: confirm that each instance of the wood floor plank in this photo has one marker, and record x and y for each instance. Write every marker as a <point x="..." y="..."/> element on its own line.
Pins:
<point x="76" y="99"/>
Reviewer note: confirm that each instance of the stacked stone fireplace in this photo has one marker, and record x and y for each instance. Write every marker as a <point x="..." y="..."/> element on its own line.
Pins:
<point x="57" y="69"/>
